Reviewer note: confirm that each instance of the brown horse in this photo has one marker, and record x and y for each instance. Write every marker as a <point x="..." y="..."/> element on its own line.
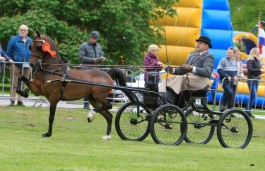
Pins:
<point x="56" y="81"/>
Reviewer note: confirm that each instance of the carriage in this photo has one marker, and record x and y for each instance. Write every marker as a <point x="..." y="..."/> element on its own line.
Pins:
<point x="182" y="117"/>
<point x="170" y="121"/>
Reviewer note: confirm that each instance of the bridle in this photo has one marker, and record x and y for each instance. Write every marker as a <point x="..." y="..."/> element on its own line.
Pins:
<point x="38" y="56"/>
<point x="39" y="64"/>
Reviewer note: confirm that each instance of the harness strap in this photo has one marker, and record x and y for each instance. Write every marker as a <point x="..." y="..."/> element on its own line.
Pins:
<point x="64" y="83"/>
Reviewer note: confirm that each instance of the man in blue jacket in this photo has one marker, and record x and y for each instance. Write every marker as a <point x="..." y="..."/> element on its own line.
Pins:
<point x="18" y="50"/>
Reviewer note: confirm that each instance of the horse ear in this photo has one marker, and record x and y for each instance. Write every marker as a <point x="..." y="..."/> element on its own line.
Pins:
<point x="37" y="33"/>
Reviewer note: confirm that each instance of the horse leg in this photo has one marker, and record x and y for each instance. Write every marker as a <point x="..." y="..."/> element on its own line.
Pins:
<point x="108" y="116"/>
<point x="102" y="108"/>
<point x="19" y="85"/>
<point x="99" y="107"/>
<point x="90" y="115"/>
<point x="51" y="119"/>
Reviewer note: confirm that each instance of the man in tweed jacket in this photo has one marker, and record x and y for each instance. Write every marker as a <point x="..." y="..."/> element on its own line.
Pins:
<point x="195" y="73"/>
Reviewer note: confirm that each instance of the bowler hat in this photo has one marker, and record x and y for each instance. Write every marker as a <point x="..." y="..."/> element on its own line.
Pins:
<point x="94" y="35"/>
<point x="205" y="39"/>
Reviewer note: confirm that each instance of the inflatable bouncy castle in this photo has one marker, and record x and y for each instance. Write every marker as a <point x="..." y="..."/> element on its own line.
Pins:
<point x="194" y="18"/>
<point x="210" y="18"/>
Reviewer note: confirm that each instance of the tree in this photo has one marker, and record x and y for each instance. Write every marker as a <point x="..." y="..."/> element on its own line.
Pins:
<point x="124" y="25"/>
<point x="245" y="14"/>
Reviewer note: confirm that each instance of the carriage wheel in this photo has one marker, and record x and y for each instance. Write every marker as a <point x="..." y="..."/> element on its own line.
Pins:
<point x="234" y="129"/>
<point x="131" y="125"/>
<point x="168" y="125"/>
<point x="200" y="130"/>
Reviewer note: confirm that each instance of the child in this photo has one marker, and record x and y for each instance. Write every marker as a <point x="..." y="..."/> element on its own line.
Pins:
<point x="214" y="85"/>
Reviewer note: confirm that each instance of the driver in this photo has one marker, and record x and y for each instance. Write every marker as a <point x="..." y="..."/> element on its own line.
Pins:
<point x="195" y="73"/>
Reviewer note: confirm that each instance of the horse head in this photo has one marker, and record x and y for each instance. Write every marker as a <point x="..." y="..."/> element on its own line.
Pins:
<point x="43" y="51"/>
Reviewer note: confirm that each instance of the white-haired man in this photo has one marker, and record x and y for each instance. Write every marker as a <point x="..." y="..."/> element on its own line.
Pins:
<point x="18" y="50"/>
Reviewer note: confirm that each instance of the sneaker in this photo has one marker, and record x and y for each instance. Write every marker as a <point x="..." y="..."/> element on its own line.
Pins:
<point x="12" y="103"/>
<point x="20" y="103"/>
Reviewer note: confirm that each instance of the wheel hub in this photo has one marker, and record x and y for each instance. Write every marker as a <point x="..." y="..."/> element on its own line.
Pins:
<point x="234" y="130"/>
<point x="197" y="126"/>
<point x="168" y="126"/>
<point x="133" y="121"/>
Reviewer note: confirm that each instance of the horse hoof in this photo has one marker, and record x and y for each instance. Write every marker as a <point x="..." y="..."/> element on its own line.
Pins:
<point x="23" y="93"/>
<point x="26" y="95"/>
<point x="45" y="135"/>
<point x="90" y="119"/>
<point x="106" y="137"/>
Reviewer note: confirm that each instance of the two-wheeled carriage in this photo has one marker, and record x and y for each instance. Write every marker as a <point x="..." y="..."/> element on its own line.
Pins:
<point x="183" y="117"/>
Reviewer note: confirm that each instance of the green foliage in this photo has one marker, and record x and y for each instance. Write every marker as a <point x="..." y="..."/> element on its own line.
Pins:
<point x="124" y="25"/>
<point x="245" y="14"/>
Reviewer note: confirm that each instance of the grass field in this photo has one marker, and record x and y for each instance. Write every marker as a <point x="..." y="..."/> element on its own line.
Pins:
<point x="76" y="145"/>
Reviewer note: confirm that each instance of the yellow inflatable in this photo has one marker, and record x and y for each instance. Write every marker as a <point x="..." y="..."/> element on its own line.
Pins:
<point x="181" y="32"/>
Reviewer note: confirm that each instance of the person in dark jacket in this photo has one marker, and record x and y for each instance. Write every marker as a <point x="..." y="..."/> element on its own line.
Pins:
<point x="18" y="50"/>
<point x="90" y="52"/>
<point x="4" y="57"/>
<point x="254" y="71"/>
<point x="152" y="66"/>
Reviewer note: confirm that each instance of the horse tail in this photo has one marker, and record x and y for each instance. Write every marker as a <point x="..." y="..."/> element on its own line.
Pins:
<point x="117" y="75"/>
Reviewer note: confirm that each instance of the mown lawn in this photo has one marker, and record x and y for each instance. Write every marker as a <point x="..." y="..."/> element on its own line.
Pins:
<point x="76" y="145"/>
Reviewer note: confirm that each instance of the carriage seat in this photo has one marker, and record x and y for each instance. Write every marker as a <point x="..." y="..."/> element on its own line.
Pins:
<point x="183" y="97"/>
<point x="151" y="99"/>
<point x="199" y="93"/>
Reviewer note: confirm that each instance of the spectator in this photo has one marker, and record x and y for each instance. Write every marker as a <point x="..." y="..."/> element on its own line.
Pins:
<point x="152" y="67"/>
<point x="18" y="50"/>
<point x="90" y="52"/>
<point x="254" y="71"/>
<point x="227" y="71"/>
<point x="214" y="85"/>
<point x="4" y="57"/>
<point x="240" y="71"/>
<point x="198" y="69"/>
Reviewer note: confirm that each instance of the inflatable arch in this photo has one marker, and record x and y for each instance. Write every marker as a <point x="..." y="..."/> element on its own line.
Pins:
<point x="248" y="39"/>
